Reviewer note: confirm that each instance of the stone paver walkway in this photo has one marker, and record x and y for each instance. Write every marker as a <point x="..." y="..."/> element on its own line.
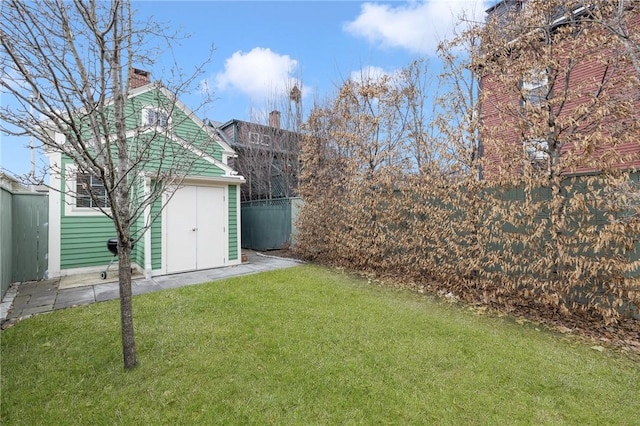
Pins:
<point x="30" y="298"/>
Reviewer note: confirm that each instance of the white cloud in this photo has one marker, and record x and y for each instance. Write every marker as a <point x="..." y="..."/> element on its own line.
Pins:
<point x="369" y="73"/>
<point x="260" y="73"/>
<point x="416" y="26"/>
<point x="11" y="81"/>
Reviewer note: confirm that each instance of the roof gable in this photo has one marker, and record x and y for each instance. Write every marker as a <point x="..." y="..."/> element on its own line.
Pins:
<point x="150" y="141"/>
<point x="176" y="103"/>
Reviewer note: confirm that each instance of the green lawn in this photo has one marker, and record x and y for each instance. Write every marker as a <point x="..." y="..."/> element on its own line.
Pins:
<point x="306" y="346"/>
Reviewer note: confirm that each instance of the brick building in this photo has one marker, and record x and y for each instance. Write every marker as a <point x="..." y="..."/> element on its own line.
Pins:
<point x="559" y="88"/>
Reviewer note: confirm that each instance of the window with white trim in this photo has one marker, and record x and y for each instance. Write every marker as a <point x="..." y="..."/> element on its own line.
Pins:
<point x="77" y="195"/>
<point x="90" y="191"/>
<point x="157" y="117"/>
<point x="537" y="152"/>
<point x="535" y="87"/>
<point x="254" y="137"/>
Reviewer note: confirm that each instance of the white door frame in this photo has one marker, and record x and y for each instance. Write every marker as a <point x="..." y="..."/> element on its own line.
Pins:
<point x="196" y="181"/>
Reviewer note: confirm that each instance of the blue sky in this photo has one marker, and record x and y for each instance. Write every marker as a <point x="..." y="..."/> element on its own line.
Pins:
<point x="263" y="46"/>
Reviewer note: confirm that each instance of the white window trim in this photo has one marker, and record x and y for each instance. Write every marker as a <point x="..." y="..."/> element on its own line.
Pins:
<point x="256" y="136"/>
<point x="536" y="150"/>
<point x="535" y="80"/>
<point x="70" y="200"/>
<point x="145" y="117"/>
<point x="55" y="197"/>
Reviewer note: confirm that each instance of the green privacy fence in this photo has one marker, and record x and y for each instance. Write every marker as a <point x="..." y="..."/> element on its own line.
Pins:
<point x="5" y="239"/>
<point x="23" y="237"/>
<point x="269" y="224"/>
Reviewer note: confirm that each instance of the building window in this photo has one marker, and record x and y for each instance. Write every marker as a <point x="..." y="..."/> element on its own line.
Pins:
<point x="535" y="87"/>
<point x="90" y="192"/>
<point x="155" y="117"/>
<point x="254" y="137"/>
<point x="537" y="152"/>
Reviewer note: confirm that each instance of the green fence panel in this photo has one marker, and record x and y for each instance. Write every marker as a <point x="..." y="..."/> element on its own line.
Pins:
<point x="266" y="224"/>
<point x="5" y="240"/>
<point x="30" y="237"/>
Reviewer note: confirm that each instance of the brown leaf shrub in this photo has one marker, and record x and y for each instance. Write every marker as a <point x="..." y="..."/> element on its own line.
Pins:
<point x="383" y="196"/>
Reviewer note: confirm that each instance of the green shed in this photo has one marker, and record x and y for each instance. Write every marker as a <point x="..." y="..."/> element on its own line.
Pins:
<point x="192" y="226"/>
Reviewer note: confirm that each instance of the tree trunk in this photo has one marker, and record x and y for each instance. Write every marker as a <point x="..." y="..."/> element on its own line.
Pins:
<point x="558" y="225"/>
<point x="126" y="306"/>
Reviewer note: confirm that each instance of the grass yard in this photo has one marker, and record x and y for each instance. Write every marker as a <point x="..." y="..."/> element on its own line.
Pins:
<point x="306" y="346"/>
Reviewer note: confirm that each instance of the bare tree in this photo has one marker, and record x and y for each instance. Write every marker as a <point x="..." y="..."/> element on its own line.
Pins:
<point x="387" y="121"/>
<point x="368" y="124"/>
<point x="256" y="159"/>
<point x="425" y="149"/>
<point x="269" y="146"/>
<point x="69" y="65"/>
<point x="458" y="115"/>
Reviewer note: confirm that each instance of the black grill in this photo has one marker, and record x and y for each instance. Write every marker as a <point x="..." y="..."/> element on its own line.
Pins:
<point x="112" y="246"/>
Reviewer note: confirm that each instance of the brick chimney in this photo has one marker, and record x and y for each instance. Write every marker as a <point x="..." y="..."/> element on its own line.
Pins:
<point x="139" y="78"/>
<point x="274" y="119"/>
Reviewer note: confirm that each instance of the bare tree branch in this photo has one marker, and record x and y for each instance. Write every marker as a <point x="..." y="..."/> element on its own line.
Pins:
<point x="68" y="67"/>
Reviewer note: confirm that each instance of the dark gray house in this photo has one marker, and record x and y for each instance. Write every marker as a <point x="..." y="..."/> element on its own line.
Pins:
<point x="268" y="157"/>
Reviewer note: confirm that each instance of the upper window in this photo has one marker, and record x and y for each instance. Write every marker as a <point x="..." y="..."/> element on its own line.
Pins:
<point x="259" y="139"/>
<point x="505" y="9"/>
<point x="254" y="137"/>
<point x="503" y="15"/>
<point x="155" y="117"/>
<point x="535" y="87"/>
<point x="537" y="151"/>
<point x="90" y="191"/>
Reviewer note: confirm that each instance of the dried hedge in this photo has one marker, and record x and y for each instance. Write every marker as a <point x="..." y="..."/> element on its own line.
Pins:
<point x="522" y="193"/>
<point x="573" y="247"/>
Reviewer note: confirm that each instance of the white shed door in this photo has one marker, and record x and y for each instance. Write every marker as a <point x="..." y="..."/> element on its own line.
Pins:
<point x="195" y="231"/>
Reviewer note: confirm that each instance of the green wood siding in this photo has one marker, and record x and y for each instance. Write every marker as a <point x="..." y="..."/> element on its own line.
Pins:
<point x="163" y="154"/>
<point x="84" y="238"/>
<point x="233" y="222"/>
<point x="182" y="125"/>
<point x="187" y="128"/>
<point x="83" y="241"/>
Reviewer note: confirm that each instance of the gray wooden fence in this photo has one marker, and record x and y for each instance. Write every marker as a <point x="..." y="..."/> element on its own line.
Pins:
<point x="269" y="224"/>
<point x="24" y="237"/>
